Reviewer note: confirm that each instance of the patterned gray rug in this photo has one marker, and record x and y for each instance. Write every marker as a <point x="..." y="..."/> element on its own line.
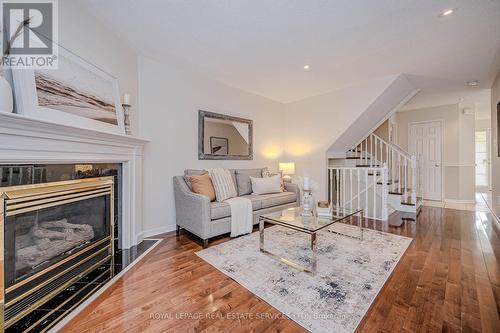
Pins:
<point x="349" y="276"/>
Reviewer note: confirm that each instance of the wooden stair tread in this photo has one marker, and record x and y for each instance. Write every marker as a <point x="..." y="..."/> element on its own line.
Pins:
<point x="398" y="193"/>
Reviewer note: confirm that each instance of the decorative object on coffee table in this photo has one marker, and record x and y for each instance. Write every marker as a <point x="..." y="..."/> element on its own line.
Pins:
<point x="323" y="209"/>
<point x="307" y="201"/>
<point x="126" y="113"/>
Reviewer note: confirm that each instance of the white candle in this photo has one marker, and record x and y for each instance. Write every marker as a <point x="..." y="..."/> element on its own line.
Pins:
<point x="126" y="99"/>
<point x="307" y="184"/>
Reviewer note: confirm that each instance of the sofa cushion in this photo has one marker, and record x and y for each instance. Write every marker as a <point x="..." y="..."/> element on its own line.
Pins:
<point x="192" y="172"/>
<point x="224" y="185"/>
<point x="220" y="210"/>
<point x="243" y="179"/>
<point x="202" y="184"/>
<point x="256" y="201"/>
<point x="266" y="173"/>
<point x="266" y="185"/>
<point x="276" y="199"/>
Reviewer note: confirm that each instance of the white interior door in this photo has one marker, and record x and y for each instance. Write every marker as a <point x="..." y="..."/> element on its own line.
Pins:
<point x="424" y="140"/>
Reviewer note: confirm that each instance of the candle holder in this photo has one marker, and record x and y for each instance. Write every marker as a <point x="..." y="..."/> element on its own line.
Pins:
<point x="126" y="118"/>
<point x="307" y="204"/>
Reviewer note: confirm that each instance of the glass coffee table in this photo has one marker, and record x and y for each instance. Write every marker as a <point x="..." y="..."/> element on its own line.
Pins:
<point x="290" y="218"/>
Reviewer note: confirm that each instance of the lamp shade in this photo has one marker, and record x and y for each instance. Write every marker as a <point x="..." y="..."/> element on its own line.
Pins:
<point x="287" y="168"/>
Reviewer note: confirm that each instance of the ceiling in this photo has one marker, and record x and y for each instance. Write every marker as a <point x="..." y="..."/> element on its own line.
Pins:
<point x="261" y="46"/>
<point x="477" y="99"/>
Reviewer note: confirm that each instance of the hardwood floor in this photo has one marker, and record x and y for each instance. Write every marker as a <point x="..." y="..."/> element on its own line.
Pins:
<point x="448" y="280"/>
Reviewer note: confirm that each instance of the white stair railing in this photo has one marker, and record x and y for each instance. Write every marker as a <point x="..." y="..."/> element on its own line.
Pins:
<point x="403" y="168"/>
<point x="359" y="188"/>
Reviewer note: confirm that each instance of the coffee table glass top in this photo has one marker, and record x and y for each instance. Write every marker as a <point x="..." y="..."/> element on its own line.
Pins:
<point x="291" y="217"/>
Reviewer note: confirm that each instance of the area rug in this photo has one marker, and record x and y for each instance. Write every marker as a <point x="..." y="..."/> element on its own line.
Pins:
<point x="350" y="272"/>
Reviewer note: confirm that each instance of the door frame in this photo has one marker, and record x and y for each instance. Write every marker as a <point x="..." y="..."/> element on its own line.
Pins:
<point x="489" y="155"/>
<point x="441" y="147"/>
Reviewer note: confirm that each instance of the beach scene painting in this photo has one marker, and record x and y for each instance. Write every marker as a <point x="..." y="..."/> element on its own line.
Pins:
<point x="79" y="89"/>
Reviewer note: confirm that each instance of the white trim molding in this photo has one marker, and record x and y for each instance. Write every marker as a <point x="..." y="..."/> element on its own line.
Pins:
<point x="158" y="231"/>
<point x="29" y="140"/>
<point x="456" y="165"/>
<point x="459" y="201"/>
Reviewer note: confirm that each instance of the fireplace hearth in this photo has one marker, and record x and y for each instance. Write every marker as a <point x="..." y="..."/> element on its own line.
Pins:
<point x="52" y="235"/>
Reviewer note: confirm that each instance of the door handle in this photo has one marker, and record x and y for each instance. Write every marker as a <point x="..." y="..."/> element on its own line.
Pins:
<point x="436" y="165"/>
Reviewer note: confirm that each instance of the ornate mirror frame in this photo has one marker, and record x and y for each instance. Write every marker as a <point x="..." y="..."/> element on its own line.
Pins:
<point x="201" y="136"/>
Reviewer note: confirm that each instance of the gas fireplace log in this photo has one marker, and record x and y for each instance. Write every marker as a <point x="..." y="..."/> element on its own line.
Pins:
<point x="42" y="231"/>
<point x="64" y="224"/>
<point x="47" y="244"/>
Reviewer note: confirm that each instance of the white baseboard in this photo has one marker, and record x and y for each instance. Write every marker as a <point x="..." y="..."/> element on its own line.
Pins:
<point x="457" y="201"/>
<point x="159" y="230"/>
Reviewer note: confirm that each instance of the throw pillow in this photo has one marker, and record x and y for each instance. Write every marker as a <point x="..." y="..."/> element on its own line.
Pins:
<point x="223" y="184"/>
<point x="266" y="173"/>
<point x="202" y="184"/>
<point x="266" y="185"/>
<point x="243" y="179"/>
<point x="192" y="172"/>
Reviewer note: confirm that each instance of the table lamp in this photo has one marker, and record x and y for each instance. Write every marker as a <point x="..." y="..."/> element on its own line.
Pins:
<point x="287" y="169"/>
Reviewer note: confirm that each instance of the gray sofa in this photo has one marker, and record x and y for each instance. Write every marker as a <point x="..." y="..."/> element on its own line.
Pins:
<point x="196" y="214"/>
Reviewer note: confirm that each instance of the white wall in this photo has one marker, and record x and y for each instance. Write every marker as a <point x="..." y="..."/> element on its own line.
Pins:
<point x="84" y="35"/>
<point x="313" y="124"/>
<point x="458" y="146"/>
<point x="169" y="102"/>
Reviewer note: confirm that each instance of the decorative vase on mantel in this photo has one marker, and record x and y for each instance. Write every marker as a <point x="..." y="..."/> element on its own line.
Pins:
<point x="6" y="100"/>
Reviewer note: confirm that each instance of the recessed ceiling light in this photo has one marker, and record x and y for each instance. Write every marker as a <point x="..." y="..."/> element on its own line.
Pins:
<point x="447" y="12"/>
<point x="306" y="66"/>
<point x="473" y="83"/>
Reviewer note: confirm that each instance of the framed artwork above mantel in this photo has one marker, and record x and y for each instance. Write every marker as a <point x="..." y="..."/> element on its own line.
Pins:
<point x="77" y="93"/>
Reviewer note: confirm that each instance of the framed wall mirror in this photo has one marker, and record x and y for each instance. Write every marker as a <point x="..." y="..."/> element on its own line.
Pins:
<point x="223" y="137"/>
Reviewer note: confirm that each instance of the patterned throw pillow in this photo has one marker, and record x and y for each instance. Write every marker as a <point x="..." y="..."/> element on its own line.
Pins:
<point x="223" y="184"/>
<point x="266" y="173"/>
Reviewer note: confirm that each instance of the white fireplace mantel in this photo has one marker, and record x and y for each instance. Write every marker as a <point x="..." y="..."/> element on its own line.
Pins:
<point x="30" y="140"/>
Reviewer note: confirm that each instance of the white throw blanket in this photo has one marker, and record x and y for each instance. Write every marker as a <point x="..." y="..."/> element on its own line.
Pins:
<point x="241" y="216"/>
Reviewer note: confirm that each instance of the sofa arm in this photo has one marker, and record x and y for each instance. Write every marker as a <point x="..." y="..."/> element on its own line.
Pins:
<point x="290" y="187"/>
<point x="192" y="210"/>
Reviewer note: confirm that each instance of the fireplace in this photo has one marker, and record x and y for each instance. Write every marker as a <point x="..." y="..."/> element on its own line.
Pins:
<point x="52" y="235"/>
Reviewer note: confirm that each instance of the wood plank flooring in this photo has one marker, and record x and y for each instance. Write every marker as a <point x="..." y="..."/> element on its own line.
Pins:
<point x="448" y="281"/>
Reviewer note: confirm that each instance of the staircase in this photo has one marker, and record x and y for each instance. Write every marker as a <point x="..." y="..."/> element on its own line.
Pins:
<point x="377" y="176"/>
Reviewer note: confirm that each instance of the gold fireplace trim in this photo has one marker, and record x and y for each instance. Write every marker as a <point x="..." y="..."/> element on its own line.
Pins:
<point x="25" y="198"/>
<point x="16" y="204"/>
<point x="57" y="264"/>
<point x="27" y="192"/>
<point x="56" y="291"/>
